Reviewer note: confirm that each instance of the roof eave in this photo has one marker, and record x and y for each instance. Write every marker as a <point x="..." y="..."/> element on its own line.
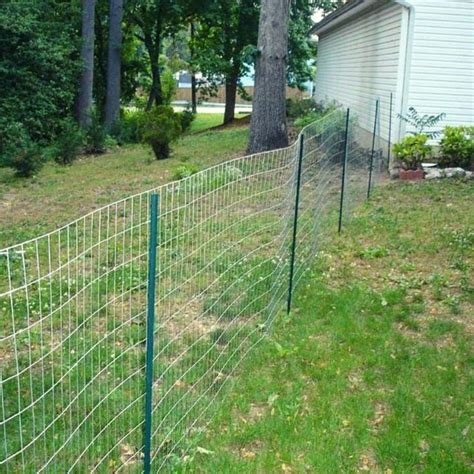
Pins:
<point x="347" y="11"/>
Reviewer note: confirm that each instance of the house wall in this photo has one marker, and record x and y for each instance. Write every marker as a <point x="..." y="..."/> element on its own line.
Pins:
<point x="442" y="64"/>
<point x="359" y="61"/>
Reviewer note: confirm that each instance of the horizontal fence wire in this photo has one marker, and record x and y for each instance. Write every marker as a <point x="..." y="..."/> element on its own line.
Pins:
<point x="74" y="302"/>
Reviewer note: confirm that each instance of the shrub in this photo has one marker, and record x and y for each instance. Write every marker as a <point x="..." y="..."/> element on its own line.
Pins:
<point x="457" y="147"/>
<point x="296" y="108"/>
<point x="168" y="86"/>
<point x="187" y="118"/>
<point x="68" y="144"/>
<point x="95" y="136"/>
<point x="184" y="171"/>
<point x="128" y="129"/>
<point x="412" y="151"/>
<point x="159" y="127"/>
<point x="308" y="119"/>
<point x="20" y="152"/>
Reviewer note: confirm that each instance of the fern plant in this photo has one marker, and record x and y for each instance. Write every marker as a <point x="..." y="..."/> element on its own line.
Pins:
<point x="422" y="122"/>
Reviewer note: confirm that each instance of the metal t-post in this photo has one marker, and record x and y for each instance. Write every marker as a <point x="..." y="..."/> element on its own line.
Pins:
<point x="344" y="169"/>
<point x="150" y="331"/>
<point x="371" y="167"/>
<point x="295" y="223"/>
<point x="389" y="153"/>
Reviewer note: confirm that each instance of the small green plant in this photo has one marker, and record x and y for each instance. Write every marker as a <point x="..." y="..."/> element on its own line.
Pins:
<point x="296" y="108"/>
<point x="185" y="171"/>
<point x="454" y="304"/>
<point x="20" y="152"/>
<point x="457" y="147"/>
<point x="373" y="252"/>
<point x="69" y="143"/>
<point x="422" y="122"/>
<point x="95" y="136"/>
<point x="412" y="151"/>
<point x="129" y="127"/>
<point x="307" y="119"/>
<point x="187" y="118"/>
<point x="168" y="86"/>
<point x="159" y="127"/>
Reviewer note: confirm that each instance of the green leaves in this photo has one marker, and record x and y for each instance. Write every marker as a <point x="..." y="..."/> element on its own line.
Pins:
<point x="412" y="151"/>
<point x="38" y="68"/>
<point x="422" y="122"/>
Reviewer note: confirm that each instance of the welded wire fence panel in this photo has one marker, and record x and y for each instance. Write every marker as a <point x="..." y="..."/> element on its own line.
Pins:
<point x="73" y="305"/>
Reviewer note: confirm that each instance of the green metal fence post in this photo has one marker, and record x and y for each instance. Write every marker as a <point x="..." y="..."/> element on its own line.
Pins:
<point x="389" y="152"/>
<point x="295" y="223"/>
<point x="371" y="167"/>
<point x="344" y="166"/>
<point x="150" y="331"/>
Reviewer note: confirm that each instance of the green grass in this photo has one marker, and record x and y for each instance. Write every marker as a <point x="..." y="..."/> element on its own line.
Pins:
<point x="59" y="194"/>
<point x="373" y="370"/>
<point x="205" y="121"/>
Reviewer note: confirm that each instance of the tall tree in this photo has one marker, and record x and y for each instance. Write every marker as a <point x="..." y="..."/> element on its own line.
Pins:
<point x="155" y="20"/>
<point x="226" y="31"/>
<point x="193" y="72"/>
<point x="268" y="129"/>
<point x="86" y="81"/>
<point x="114" y="63"/>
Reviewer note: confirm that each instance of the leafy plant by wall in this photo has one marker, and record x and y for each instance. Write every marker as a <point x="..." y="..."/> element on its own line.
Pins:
<point x="422" y="122"/>
<point x="457" y="147"/>
<point x="412" y="151"/>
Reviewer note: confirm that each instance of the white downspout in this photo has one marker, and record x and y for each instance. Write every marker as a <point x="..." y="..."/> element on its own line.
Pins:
<point x="407" y="63"/>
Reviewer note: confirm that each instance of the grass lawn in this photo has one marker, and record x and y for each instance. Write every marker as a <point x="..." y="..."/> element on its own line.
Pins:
<point x="58" y="194"/>
<point x="373" y="370"/>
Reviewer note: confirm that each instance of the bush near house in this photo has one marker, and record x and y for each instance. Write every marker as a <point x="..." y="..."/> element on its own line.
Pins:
<point x="412" y="151"/>
<point x="457" y="147"/>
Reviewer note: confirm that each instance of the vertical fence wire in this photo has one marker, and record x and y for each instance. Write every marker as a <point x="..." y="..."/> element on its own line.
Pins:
<point x="77" y="369"/>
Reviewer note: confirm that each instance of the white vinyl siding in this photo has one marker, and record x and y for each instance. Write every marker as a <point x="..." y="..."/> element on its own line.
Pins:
<point x="358" y="62"/>
<point x="442" y="66"/>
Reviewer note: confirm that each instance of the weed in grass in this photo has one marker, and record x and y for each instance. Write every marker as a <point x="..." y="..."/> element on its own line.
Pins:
<point x="185" y="171"/>
<point x="374" y="252"/>
<point x="438" y="283"/>
<point x="440" y="327"/>
<point x="453" y="303"/>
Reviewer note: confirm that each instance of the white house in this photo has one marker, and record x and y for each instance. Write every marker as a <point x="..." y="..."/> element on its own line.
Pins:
<point x="421" y="51"/>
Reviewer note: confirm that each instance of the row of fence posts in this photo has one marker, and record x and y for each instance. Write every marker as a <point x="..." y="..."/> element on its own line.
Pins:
<point x="152" y="253"/>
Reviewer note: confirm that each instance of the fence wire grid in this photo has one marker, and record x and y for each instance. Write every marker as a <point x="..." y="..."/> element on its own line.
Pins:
<point x="74" y="303"/>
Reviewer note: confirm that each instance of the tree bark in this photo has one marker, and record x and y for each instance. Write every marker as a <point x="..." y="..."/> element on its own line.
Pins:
<point x="155" y="97"/>
<point x="193" y="75"/>
<point x="230" y="96"/>
<point x="86" y="81"/>
<point x="268" y="128"/>
<point x="114" y="64"/>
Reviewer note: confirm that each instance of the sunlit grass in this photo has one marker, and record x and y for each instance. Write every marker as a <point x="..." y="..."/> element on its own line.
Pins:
<point x="59" y="194"/>
<point x="372" y="371"/>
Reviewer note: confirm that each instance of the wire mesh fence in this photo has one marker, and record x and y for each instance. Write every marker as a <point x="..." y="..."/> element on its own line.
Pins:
<point x="233" y="242"/>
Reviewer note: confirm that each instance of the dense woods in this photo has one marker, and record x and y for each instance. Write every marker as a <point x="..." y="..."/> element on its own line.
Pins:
<point x="78" y="75"/>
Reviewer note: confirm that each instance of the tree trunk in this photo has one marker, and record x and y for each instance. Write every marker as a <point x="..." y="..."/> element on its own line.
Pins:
<point x="155" y="97"/>
<point x="86" y="81"/>
<point x="268" y="129"/>
<point x="230" y="96"/>
<point x="114" y="64"/>
<point x="193" y="75"/>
